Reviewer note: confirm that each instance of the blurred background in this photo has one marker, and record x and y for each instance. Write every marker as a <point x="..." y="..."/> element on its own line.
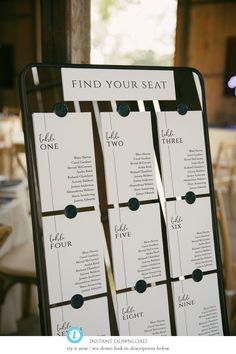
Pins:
<point x="195" y="33"/>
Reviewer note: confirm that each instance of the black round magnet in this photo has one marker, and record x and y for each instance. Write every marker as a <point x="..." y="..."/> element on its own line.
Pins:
<point x="60" y="109"/>
<point x="123" y="110"/>
<point x="182" y="108"/>
<point x="133" y="204"/>
<point x="190" y="197"/>
<point x="77" y="301"/>
<point x="197" y="275"/>
<point x="70" y="211"/>
<point x="140" y="286"/>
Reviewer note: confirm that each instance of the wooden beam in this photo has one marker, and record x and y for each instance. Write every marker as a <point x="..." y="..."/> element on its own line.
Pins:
<point x="65" y="31"/>
<point x="182" y="35"/>
<point x="79" y="31"/>
<point x="212" y="2"/>
<point x="54" y="36"/>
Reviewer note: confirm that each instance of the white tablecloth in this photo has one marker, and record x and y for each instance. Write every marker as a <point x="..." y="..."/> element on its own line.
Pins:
<point x="217" y="136"/>
<point x="15" y="213"/>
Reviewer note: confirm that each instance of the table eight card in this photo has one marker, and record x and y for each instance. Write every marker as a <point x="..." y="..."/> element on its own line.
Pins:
<point x="183" y="153"/>
<point x="190" y="236"/>
<point x="129" y="157"/>
<point x="137" y="249"/>
<point x="74" y="256"/>
<point x="197" y="307"/>
<point x="64" y="317"/>
<point x="65" y="160"/>
<point x="144" y="314"/>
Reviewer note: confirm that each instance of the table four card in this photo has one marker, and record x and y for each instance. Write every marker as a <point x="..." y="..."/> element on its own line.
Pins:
<point x="74" y="256"/>
<point x="65" y="160"/>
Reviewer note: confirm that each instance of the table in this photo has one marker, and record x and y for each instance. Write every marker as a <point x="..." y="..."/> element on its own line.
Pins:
<point x="219" y="135"/>
<point x="10" y="133"/>
<point x="15" y="214"/>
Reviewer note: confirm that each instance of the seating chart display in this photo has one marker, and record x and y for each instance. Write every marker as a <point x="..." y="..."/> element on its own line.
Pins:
<point x="122" y="201"/>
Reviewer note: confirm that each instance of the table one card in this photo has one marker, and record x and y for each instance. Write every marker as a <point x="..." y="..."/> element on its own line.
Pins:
<point x="65" y="317"/>
<point x="183" y="153"/>
<point x="129" y="157"/>
<point x="74" y="256"/>
<point x="65" y="160"/>
<point x="197" y="307"/>
<point x="144" y="314"/>
<point x="137" y="248"/>
<point x="190" y="236"/>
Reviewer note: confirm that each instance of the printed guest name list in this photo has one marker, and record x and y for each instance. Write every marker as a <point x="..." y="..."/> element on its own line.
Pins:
<point x="65" y="160"/>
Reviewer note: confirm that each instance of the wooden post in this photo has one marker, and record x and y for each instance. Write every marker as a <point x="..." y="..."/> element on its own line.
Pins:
<point x="182" y="33"/>
<point x="65" y="31"/>
<point x="53" y="27"/>
<point x="79" y="30"/>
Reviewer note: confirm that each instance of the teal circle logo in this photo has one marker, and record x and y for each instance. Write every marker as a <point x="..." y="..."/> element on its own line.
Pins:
<point x="74" y="335"/>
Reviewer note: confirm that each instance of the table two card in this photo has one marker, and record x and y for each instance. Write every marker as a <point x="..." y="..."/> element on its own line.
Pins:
<point x="129" y="157"/>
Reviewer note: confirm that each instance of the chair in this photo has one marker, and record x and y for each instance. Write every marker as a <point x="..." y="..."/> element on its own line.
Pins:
<point x="225" y="170"/>
<point x="11" y="111"/>
<point x="17" y="266"/>
<point x="18" y="149"/>
<point x="5" y="231"/>
<point x="228" y="265"/>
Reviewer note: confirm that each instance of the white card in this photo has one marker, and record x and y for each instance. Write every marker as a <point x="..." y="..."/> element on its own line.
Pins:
<point x="190" y="236"/>
<point x="137" y="249"/>
<point x="64" y="317"/>
<point x="74" y="256"/>
<point x="183" y="153"/>
<point x="144" y="314"/>
<point x="99" y="84"/>
<point x="129" y="157"/>
<point x="65" y="160"/>
<point x="197" y="307"/>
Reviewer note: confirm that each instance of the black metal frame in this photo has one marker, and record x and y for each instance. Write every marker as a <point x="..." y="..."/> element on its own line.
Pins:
<point x="33" y="185"/>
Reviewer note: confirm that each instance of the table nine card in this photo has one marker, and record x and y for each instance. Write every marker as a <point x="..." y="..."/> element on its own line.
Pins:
<point x="183" y="153"/>
<point x="64" y="317"/>
<point x="137" y="249"/>
<point x="144" y="314"/>
<point x="190" y="236"/>
<point x="197" y="307"/>
<point x="129" y="156"/>
<point x="74" y="256"/>
<point x="65" y="158"/>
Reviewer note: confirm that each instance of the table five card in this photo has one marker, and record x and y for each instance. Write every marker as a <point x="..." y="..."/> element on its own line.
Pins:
<point x="137" y="249"/>
<point x="190" y="236"/>
<point x="183" y="153"/>
<point x="65" y="158"/>
<point x="64" y="317"/>
<point x="74" y="256"/>
<point x="144" y="314"/>
<point x="197" y="307"/>
<point x="129" y="157"/>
